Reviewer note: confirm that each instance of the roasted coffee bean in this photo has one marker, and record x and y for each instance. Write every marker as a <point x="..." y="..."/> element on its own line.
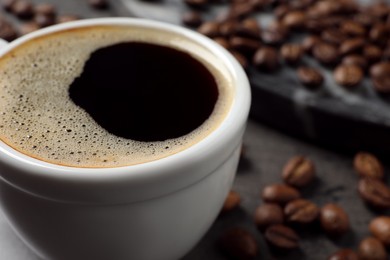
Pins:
<point x="315" y="25"/>
<point x="192" y="19"/>
<point x="280" y="193"/>
<point x="45" y="9"/>
<point x="344" y="254"/>
<point x="334" y="220"/>
<point x="266" y="59"/>
<point x="275" y="34"/>
<point x="222" y="41"/>
<point x="333" y="36"/>
<point x="367" y="165"/>
<point x="291" y="53"/>
<point x="98" y="4"/>
<point x="239" y="244"/>
<point x="268" y="214"/>
<point x="372" y="53"/>
<point x="281" y="11"/>
<point x="325" y="8"/>
<point x="28" y="28"/>
<point x="67" y="18"/>
<point x="351" y="46"/>
<point x="196" y="3"/>
<point x="7" y="31"/>
<point x="379" y="33"/>
<point x="311" y="78"/>
<point x="240" y="10"/>
<point x="374" y="192"/>
<point x="309" y="42"/>
<point x="241" y="59"/>
<point x="371" y="248"/>
<point x="365" y="19"/>
<point x="380" y="228"/>
<point x="356" y="60"/>
<point x="299" y="171"/>
<point x="210" y="29"/>
<point x="353" y="29"/>
<point x="348" y="75"/>
<point x="228" y="28"/>
<point x="380" y="69"/>
<point x="23" y="9"/>
<point x="378" y="9"/>
<point x="244" y="45"/>
<point x="326" y="53"/>
<point x="301" y="211"/>
<point x="282" y="237"/>
<point x="386" y="52"/>
<point x="249" y="28"/>
<point x="382" y="84"/>
<point x="7" y="4"/>
<point x="232" y="201"/>
<point x="43" y="20"/>
<point x="294" y="20"/>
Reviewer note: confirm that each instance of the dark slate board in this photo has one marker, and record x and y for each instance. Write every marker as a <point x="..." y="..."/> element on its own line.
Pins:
<point x="351" y="120"/>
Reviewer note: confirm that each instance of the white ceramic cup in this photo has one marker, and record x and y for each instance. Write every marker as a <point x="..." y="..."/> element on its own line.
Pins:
<point x="155" y="210"/>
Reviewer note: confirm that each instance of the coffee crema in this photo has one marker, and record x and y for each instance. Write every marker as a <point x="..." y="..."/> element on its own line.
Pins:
<point x="51" y="110"/>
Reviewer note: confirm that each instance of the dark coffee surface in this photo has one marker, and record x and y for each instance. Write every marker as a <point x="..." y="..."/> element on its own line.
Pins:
<point x="131" y="89"/>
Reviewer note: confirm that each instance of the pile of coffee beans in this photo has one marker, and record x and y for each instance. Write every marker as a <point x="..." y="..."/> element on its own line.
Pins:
<point x="284" y="213"/>
<point x="342" y="35"/>
<point x="35" y="16"/>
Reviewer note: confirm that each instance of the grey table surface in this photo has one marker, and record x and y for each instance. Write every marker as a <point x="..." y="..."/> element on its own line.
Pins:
<point x="266" y="152"/>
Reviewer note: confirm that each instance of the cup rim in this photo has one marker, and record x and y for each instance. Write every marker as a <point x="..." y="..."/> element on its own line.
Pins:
<point x="235" y="118"/>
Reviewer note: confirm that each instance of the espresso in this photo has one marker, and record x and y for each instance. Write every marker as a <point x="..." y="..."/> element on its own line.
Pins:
<point x="110" y="96"/>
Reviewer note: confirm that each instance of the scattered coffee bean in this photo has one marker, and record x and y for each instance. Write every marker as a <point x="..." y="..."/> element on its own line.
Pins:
<point x="192" y="19"/>
<point x="45" y="9"/>
<point x="266" y="59"/>
<point x="249" y="28"/>
<point x="196" y="3"/>
<point x="334" y="220"/>
<point x="301" y="211"/>
<point x="367" y="165"/>
<point x="222" y="41"/>
<point x="348" y="75"/>
<point x="294" y="20"/>
<point x="382" y="85"/>
<point x="239" y="244"/>
<point x="281" y="11"/>
<point x="333" y="36"/>
<point x="344" y="254"/>
<point x="374" y="192"/>
<point x="379" y="33"/>
<point x="67" y="18"/>
<point x="244" y="45"/>
<point x="310" y="77"/>
<point x="275" y="34"/>
<point x="326" y="53"/>
<point x="280" y="193"/>
<point x="353" y="29"/>
<point x="240" y="10"/>
<point x="43" y="20"/>
<point x="232" y="201"/>
<point x="28" y="28"/>
<point x="7" y="31"/>
<point x="372" y="53"/>
<point x="210" y="29"/>
<point x="282" y="237"/>
<point x="380" y="228"/>
<point x="98" y="4"/>
<point x="371" y="248"/>
<point x="356" y="60"/>
<point x="309" y="42"/>
<point x="379" y="70"/>
<point x="7" y="4"/>
<point x="23" y="9"/>
<point x="241" y="59"/>
<point x="268" y="214"/>
<point x="299" y="171"/>
<point x="351" y="46"/>
<point x="291" y="53"/>
<point x="228" y="28"/>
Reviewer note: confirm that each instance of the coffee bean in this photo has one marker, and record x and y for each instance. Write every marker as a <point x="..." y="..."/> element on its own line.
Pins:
<point x="280" y="193"/>
<point x="232" y="201"/>
<point x="371" y="248"/>
<point x="312" y="78"/>
<point x="299" y="171"/>
<point x="348" y="75"/>
<point x="7" y="31"/>
<point x="23" y="9"/>
<point x="344" y="254"/>
<point x="380" y="69"/>
<point x="210" y="29"/>
<point x="228" y="28"/>
<point x="268" y="214"/>
<point x="240" y="10"/>
<point x="222" y="41"/>
<point x="281" y="11"/>
<point x="382" y="84"/>
<point x="7" y="4"/>
<point x="28" y="28"/>
<point x="379" y="9"/>
<point x="356" y="60"/>
<point x="244" y="45"/>
<point x="379" y="33"/>
<point x="380" y="228"/>
<point x="365" y="19"/>
<point x="239" y="244"/>
<point x="353" y="29"/>
<point x="241" y="59"/>
<point x="98" y="4"/>
<point x="309" y="42"/>
<point x="374" y="192"/>
<point x="326" y="53"/>
<point x="367" y="165"/>
<point x="196" y="3"/>
<point x="282" y="237"/>
<point x="333" y="36"/>
<point x="372" y="53"/>
<point x="192" y="19"/>
<point x="351" y="46"/>
<point x="301" y="211"/>
<point x="294" y="20"/>
<point x="249" y="28"/>
<point x="45" y="9"/>
<point x="43" y="20"/>
<point x="67" y="18"/>
<point x="275" y="34"/>
<point x="291" y="53"/>
<point x="334" y="220"/>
